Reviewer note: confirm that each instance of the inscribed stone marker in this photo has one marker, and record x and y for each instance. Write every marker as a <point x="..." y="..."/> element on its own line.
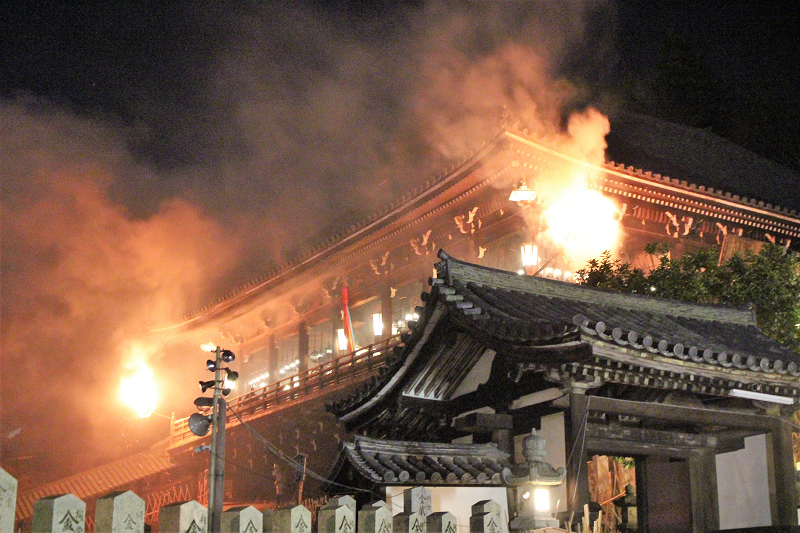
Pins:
<point x="487" y="517"/>
<point x="406" y="522"/>
<point x="242" y="520"/>
<point x="119" y="512"/>
<point x="336" y="519"/>
<point x="186" y="517"/>
<point x="8" y="501"/>
<point x="64" y="513"/>
<point x="418" y="500"/>
<point x="442" y="522"/>
<point x="338" y="501"/>
<point x="292" y="519"/>
<point x="375" y="518"/>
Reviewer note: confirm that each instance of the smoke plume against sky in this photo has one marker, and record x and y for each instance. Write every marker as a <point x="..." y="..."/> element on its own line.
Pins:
<point x="154" y="158"/>
<point x="177" y="153"/>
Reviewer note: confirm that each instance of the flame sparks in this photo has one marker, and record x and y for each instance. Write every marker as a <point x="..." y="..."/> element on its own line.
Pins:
<point x="582" y="221"/>
<point x="139" y="390"/>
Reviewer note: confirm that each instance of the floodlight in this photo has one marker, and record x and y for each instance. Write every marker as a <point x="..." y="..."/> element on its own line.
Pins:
<point x="205" y="385"/>
<point x="202" y="401"/>
<point x="228" y="356"/>
<point x="208" y="347"/>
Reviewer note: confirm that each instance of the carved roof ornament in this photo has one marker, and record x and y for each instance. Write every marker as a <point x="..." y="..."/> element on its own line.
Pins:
<point x="535" y="471"/>
<point x="423" y="245"/>
<point x="381" y="265"/>
<point x="467" y="223"/>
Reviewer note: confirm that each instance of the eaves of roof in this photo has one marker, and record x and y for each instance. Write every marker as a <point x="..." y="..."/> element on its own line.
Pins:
<point x="98" y="481"/>
<point x="387" y="462"/>
<point x="425" y="200"/>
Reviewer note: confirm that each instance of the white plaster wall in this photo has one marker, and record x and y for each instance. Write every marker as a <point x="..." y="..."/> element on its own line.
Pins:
<point x="457" y="500"/>
<point x="743" y="486"/>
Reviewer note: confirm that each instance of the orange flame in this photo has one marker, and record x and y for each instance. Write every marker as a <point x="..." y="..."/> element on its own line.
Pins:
<point x="139" y="390"/>
<point x="581" y="221"/>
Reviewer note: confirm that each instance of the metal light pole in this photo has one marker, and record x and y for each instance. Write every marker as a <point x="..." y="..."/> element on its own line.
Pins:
<point x="216" y="471"/>
<point x="199" y="425"/>
<point x="216" y="495"/>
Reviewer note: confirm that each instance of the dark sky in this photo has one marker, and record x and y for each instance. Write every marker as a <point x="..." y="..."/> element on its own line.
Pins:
<point x="155" y="155"/>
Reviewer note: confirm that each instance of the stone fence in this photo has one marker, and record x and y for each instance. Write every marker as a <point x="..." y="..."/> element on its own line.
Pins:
<point x="124" y="512"/>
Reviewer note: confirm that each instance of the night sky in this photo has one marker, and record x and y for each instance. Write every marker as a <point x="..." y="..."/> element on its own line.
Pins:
<point x="154" y="156"/>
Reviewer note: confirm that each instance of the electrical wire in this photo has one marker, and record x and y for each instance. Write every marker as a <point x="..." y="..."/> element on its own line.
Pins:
<point x="272" y="448"/>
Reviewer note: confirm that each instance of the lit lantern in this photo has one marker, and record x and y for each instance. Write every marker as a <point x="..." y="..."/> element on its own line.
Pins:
<point x="523" y="195"/>
<point x="530" y="258"/>
<point x="377" y="324"/>
<point x="342" y="340"/>
<point x="541" y="500"/>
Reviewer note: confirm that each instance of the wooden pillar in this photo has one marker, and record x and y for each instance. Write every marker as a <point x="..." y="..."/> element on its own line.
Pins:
<point x="385" y="296"/>
<point x="302" y="346"/>
<point x="272" y="358"/>
<point x="336" y="322"/>
<point x="577" y="474"/>
<point x="782" y="486"/>
<point x="703" y="487"/>
<point x="642" y="506"/>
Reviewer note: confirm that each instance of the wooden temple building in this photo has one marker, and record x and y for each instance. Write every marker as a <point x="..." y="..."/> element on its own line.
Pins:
<point x="492" y="354"/>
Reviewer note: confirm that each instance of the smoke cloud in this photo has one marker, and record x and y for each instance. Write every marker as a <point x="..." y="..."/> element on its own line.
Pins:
<point x="292" y="122"/>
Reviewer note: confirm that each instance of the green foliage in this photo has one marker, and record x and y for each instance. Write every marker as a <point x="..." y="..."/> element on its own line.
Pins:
<point x="768" y="280"/>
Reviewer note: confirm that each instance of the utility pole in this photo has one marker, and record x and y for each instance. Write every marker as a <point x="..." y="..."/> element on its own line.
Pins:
<point x="216" y="472"/>
<point x="213" y="516"/>
<point x="199" y="425"/>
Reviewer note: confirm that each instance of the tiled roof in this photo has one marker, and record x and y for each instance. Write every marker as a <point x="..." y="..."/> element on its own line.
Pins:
<point x="768" y="217"/>
<point x="543" y="325"/>
<point x="389" y="462"/>
<point x="97" y="481"/>
<point x="529" y="309"/>
<point x="724" y="169"/>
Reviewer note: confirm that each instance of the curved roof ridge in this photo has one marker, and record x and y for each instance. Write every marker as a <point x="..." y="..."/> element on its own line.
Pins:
<point x="482" y="275"/>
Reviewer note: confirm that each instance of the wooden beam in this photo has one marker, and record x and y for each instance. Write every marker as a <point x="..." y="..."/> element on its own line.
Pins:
<point x="483" y="422"/>
<point x="679" y="413"/>
<point x="653" y="437"/>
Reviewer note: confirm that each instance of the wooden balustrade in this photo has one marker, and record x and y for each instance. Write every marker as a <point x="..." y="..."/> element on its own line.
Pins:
<point x="350" y="368"/>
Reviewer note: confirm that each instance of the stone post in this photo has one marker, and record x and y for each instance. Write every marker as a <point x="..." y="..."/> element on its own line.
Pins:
<point x="375" y="518"/>
<point x="185" y="517"/>
<point x="418" y="500"/>
<point x="487" y="517"/>
<point x="119" y="512"/>
<point x="242" y="520"/>
<point x="8" y="501"/>
<point x="65" y="513"/>
<point x="409" y="522"/>
<point x="268" y="517"/>
<point x="442" y="522"/>
<point x="338" y="501"/>
<point x="292" y="519"/>
<point x="336" y="517"/>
